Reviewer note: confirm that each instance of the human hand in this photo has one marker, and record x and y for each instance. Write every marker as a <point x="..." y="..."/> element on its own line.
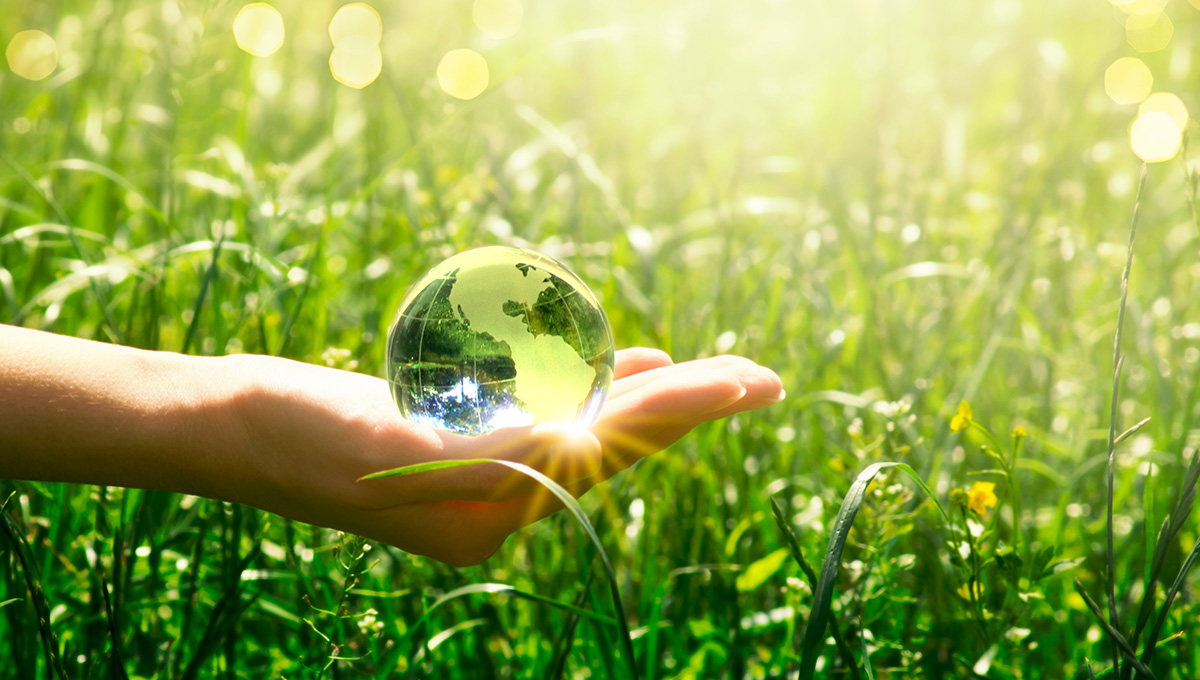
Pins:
<point x="310" y="433"/>
<point x="293" y="439"/>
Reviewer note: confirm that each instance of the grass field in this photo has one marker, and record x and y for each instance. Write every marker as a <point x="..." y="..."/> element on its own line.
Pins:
<point x="898" y="205"/>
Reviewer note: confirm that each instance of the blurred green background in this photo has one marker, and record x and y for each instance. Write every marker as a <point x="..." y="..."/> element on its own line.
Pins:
<point x="895" y="204"/>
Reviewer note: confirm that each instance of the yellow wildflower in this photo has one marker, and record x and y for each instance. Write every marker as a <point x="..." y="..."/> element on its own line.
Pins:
<point x="1019" y="432"/>
<point x="962" y="419"/>
<point x="981" y="496"/>
<point x="965" y="591"/>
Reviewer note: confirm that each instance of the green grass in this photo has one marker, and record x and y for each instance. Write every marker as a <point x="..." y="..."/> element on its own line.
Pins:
<point x="919" y="202"/>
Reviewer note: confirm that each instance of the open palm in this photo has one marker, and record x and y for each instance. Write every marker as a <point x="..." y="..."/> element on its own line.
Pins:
<point x="315" y="431"/>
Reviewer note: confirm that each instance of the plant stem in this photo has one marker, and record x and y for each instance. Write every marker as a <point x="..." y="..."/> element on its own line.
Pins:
<point x="1014" y="488"/>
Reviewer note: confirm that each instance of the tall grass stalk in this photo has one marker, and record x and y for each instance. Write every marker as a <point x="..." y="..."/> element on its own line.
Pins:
<point x="1118" y="359"/>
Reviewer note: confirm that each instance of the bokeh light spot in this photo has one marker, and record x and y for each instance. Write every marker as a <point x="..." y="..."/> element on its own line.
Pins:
<point x="1148" y="31"/>
<point x="498" y="18"/>
<point x="463" y="74"/>
<point x="1169" y="104"/>
<point x="356" y="28"/>
<point x="258" y="29"/>
<point x="1155" y="137"/>
<point x="356" y="67"/>
<point x="1128" y="80"/>
<point x="32" y="55"/>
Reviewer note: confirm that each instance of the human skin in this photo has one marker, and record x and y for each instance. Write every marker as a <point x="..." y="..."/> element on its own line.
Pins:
<point x="295" y="439"/>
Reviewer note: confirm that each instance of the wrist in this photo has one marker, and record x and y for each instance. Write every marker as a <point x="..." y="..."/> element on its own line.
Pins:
<point x="210" y="427"/>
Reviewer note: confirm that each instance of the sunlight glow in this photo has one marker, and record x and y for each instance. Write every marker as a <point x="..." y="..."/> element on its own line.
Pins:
<point x="1155" y="137"/>
<point x="356" y="68"/>
<point x="1128" y="80"/>
<point x="1139" y="6"/>
<point x="258" y="29"/>
<point x="1148" y="31"/>
<point x="498" y="18"/>
<point x="356" y="27"/>
<point x="463" y="74"/>
<point x="32" y="55"/>
<point x="1168" y="104"/>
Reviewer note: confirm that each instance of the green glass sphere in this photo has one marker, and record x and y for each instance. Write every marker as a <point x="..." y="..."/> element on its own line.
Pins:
<point x="499" y="337"/>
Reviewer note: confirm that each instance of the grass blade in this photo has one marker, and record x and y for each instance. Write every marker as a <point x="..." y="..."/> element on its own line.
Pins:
<point x="223" y="619"/>
<point x="1152" y="640"/>
<point x="566" y="638"/>
<point x="1132" y="430"/>
<point x="1166" y="538"/>
<point x="198" y="305"/>
<point x="33" y="582"/>
<point x="1118" y="640"/>
<point x="1156" y="561"/>
<point x="572" y="506"/>
<point x="117" y="659"/>
<point x="89" y="167"/>
<point x="866" y="657"/>
<point x="814" y="634"/>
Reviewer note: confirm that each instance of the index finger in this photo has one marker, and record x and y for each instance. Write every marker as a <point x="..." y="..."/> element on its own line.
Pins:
<point x="636" y="360"/>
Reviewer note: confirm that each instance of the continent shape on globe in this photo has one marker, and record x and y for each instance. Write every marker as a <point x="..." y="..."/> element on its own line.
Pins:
<point x="497" y="337"/>
<point x="535" y="356"/>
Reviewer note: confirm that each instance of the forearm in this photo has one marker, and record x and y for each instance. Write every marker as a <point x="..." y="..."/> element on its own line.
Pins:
<point x="73" y="410"/>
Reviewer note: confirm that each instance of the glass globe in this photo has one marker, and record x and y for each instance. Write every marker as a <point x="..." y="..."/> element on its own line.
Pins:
<point x="498" y="337"/>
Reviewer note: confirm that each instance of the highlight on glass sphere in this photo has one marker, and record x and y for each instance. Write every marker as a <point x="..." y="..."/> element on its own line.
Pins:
<point x="499" y="337"/>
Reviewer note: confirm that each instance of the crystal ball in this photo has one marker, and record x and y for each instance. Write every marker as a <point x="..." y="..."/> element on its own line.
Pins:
<point x="499" y="337"/>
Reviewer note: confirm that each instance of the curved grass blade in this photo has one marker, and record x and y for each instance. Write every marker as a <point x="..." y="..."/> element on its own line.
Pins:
<point x="437" y="640"/>
<point x="794" y="546"/>
<point x="572" y="506"/>
<point x="31" y="236"/>
<point x="72" y="236"/>
<point x="80" y="165"/>
<point x="814" y="634"/>
<point x="1118" y="640"/>
<point x="505" y="589"/>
